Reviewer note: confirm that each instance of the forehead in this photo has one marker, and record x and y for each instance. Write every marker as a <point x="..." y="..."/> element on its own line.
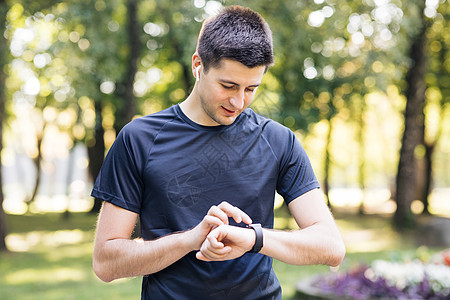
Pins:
<point x="234" y="71"/>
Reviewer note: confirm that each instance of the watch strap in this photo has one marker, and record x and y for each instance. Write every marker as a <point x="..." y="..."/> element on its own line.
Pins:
<point x="259" y="237"/>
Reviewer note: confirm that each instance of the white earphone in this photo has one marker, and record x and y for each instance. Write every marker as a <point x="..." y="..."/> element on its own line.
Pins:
<point x="197" y="77"/>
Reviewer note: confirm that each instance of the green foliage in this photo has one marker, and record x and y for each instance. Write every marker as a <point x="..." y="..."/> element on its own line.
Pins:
<point x="325" y="53"/>
<point x="340" y="63"/>
<point x="438" y="78"/>
<point x="170" y="32"/>
<point x="92" y="40"/>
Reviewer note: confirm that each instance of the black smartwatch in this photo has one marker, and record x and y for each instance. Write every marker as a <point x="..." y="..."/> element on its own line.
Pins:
<point x="259" y="237"/>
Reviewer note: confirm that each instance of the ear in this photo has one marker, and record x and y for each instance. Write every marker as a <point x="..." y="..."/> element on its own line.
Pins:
<point x="196" y="64"/>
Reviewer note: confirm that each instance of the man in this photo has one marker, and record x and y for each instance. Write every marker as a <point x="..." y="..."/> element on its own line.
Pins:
<point x="202" y="175"/>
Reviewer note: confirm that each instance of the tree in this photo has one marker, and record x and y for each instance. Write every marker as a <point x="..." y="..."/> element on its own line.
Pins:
<point x="124" y="58"/>
<point x="415" y="99"/>
<point x="327" y="58"/>
<point x="3" y="59"/>
<point x="95" y="59"/>
<point x="171" y="30"/>
<point x="103" y="73"/>
<point x="27" y="13"/>
<point x="41" y="100"/>
<point x="437" y="95"/>
<point x="127" y="108"/>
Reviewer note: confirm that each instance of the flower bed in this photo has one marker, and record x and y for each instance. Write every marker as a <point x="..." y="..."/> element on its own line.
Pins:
<point x="413" y="279"/>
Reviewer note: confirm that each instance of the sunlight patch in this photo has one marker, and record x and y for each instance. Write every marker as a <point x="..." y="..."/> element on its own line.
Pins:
<point x="368" y="240"/>
<point x="45" y="276"/>
<point x="24" y="242"/>
<point x="375" y="245"/>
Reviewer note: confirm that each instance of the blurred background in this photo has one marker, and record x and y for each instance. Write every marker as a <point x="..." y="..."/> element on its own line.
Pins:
<point x="364" y="84"/>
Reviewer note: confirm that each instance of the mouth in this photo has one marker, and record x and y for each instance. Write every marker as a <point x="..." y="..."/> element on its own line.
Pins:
<point x="229" y="112"/>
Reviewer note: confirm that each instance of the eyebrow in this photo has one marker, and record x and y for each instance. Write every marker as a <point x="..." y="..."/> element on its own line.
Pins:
<point x="234" y="83"/>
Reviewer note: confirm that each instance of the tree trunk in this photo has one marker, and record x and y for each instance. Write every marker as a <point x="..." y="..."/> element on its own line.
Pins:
<point x="124" y="92"/>
<point x="362" y="157"/>
<point x="96" y="151"/>
<point x="37" y="163"/>
<point x="69" y="178"/>
<point x="3" y="51"/>
<point x="177" y="47"/>
<point x="415" y="98"/>
<point x="327" y="163"/>
<point x="125" y="89"/>
<point x="3" y="226"/>
<point x="431" y="145"/>
<point x="429" y="149"/>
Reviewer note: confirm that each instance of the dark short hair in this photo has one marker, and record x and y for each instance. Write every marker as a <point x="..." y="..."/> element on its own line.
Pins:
<point x="237" y="33"/>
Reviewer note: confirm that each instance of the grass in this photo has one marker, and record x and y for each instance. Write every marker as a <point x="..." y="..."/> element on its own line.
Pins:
<point x="53" y="261"/>
<point x="51" y="257"/>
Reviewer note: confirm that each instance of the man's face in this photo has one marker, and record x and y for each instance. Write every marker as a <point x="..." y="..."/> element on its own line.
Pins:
<point x="224" y="92"/>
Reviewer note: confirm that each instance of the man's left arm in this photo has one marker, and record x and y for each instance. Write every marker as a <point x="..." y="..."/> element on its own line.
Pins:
<point x="318" y="240"/>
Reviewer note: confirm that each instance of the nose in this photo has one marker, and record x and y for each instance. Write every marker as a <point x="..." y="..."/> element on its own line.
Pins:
<point x="237" y="100"/>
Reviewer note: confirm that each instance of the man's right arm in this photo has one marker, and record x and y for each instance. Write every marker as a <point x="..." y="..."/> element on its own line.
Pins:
<point x="116" y="256"/>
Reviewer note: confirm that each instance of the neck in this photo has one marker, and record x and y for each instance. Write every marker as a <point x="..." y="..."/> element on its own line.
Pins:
<point x="191" y="105"/>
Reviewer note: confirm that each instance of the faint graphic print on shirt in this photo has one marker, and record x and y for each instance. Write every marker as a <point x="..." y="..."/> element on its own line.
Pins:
<point x="186" y="187"/>
<point x="219" y="165"/>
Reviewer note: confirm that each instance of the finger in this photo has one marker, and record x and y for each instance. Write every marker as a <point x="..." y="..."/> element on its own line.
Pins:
<point x="200" y="256"/>
<point x="219" y="213"/>
<point x="212" y="221"/>
<point x="212" y="248"/>
<point x="214" y="253"/>
<point x="219" y="253"/>
<point x="236" y="213"/>
<point x="247" y="220"/>
<point x="214" y="242"/>
<point x="208" y="255"/>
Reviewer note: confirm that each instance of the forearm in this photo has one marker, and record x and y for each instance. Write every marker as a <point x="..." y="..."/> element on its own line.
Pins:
<point x="120" y="258"/>
<point x="313" y="245"/>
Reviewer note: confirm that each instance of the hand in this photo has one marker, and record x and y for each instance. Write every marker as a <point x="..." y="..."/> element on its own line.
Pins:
<point x="226" y="242"/>
<point x="217" y="216"/>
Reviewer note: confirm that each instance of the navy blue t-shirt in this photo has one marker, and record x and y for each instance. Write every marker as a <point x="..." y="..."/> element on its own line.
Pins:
<point x="171" y="170"/>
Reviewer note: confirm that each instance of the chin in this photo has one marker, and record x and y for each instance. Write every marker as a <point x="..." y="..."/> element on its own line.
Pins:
<point x="227" y="121"/>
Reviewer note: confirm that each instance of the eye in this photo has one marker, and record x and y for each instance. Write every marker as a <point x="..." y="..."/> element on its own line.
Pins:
<point x="250" y="90"/>
<point x="228" y="87"/>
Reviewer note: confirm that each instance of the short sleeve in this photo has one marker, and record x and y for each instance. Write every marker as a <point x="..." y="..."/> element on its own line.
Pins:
<point x="296" y="175"/>
<point x="119" y="181"/>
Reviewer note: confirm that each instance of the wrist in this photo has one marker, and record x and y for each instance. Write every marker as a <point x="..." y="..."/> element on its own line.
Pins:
<point x="191" y="240"/>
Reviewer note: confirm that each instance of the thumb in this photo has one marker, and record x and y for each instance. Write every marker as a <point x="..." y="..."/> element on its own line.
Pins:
<point x="200" y="256"/>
